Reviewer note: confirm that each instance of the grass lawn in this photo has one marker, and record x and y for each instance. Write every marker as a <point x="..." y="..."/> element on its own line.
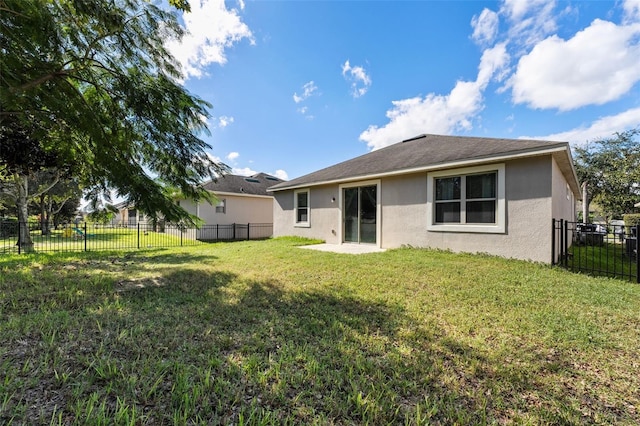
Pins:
<point x="610" y="259"/>
<point x="101" y="238"/>
<point x="263" y="332"/>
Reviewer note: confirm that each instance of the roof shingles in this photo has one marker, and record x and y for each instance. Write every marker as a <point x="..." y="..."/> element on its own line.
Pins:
<point x="249" y="185"/>
<point x="421" y="152"/>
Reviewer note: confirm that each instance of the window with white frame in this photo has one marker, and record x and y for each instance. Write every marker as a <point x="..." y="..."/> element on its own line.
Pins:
<point x="467" y="200"/>
<point x="221" y="207"/>
<point x="302" y="207"/>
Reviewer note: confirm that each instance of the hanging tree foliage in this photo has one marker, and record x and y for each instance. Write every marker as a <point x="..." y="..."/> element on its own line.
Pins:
<point x="98" y="72"/>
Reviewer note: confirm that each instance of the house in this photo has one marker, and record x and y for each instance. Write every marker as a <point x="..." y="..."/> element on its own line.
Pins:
<point x="239" y="200"/>
<point x="464" y="194"/>
<point x="128" y="215"/>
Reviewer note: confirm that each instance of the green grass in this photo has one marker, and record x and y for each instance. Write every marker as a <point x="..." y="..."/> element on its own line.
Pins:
<point x="266" y="333"/>
<point x="609" y="260"/>
<point x="99" y="238"/>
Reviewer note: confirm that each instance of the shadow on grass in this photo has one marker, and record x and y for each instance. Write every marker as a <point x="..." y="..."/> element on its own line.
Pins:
<point x="214" y="348"/>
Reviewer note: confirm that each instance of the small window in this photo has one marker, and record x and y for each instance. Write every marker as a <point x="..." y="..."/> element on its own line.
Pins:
<point x="302" y="207"/>
<point x="221" y="206"/>
<point x="253" y="180"/>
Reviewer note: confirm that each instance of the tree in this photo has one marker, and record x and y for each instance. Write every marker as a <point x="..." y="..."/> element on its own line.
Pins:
<point x="611" y="169"/>
<point x="64" y="192"/>
<point x="22" y="160"/>
<point x="96" y="74"/>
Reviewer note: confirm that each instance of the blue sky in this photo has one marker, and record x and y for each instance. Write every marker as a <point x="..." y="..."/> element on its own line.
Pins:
<point x="300" y="85"/>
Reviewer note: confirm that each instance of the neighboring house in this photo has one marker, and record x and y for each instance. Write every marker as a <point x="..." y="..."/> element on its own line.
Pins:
<point x="459" y="193"/>
<point x="239" y="199"/>
<point x="127" y="215"/>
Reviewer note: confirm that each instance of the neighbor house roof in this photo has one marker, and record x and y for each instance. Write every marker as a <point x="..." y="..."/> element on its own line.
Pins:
<point x="433" y="152"/>
<point x="242" y="185"/>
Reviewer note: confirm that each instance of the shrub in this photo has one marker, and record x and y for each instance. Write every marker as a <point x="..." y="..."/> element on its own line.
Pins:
<point x="632" y="219"/>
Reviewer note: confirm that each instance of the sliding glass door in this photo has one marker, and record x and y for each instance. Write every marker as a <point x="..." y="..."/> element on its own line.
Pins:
<point x="359" y="214"/>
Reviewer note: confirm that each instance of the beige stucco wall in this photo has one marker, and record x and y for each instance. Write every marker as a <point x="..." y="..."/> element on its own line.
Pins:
<point x="563" y="199"/>
<point x="239" y="209"/>
<point x="528" y="216"/>
<point x="324" y="215"/>
<point x="535" y="191"/>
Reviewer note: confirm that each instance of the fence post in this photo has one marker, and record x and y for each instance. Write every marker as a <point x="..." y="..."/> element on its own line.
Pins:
<point x="234" y="231"/>
<point x="181" y="233"/>
<point x="553" y="241"/>
<point x="217" y="227"/>
<point x="248" y="226"/>
<point x="638" y="254"/>
<point x="85" y="236"/>
<point x="563" y="242"/>
<point x="19" y="242"/>
<point x="138" y="234"/>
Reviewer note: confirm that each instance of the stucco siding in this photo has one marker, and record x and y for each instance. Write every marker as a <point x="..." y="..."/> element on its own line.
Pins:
<point x="403" y="214"/>
<point x="324" y="214"/>
<point x="563" y="199"/>
<point x="238" y="209"/>
<point x="190" y="206"/>
<point x="528" y="219"/>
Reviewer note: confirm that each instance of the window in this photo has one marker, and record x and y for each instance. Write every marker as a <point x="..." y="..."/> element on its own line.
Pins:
<point x="466" y="200"/>
<point x="302" y="207"/>
<point x="221" y="206"/>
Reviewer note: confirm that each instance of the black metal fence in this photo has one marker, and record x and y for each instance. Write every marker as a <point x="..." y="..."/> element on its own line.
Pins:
<point x="19" y="237"/>
<point x="609" y="250"/>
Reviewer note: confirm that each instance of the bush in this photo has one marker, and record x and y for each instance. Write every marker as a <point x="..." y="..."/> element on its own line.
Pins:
<point x="632" y="219"/>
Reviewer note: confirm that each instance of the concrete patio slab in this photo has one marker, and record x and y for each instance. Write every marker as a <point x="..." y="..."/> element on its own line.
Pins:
<point x="345" y="248"/>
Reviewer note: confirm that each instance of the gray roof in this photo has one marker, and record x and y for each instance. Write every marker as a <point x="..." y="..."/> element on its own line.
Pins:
<point x="250" y="185"/>
<point x="425" y="152"/>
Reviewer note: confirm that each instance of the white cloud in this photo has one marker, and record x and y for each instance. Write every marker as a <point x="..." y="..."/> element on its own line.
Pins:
<point x="360" y="80"/>
<point x="281" y="174"/>
<point x="601" y="128"/>
<point x="485" y="27"/>
<point x="244" y="171"/>
<point x="232" y="156"/>
<point x="631" y="10"/>
<point x="224" y="121"/>
<point x="439" y="113"/>
<point x="598" y="65"/>
<point x="307" y="90"/>
<point x="211" y="28"/>
<point x="517" y="9"/>
<point x="531" y="20"/>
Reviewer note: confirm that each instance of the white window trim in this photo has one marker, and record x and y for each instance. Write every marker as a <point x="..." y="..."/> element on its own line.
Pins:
<point x="221" y="203"/>
<point x="498" y="228"/>
<point x="297" y="224"/>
